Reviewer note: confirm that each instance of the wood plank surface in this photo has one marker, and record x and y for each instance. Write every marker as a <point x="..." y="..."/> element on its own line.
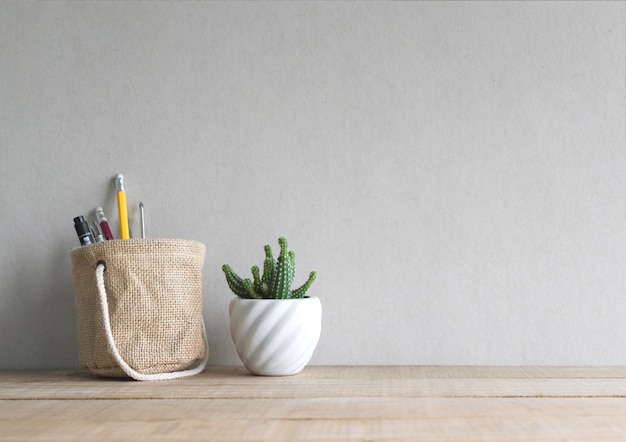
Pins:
<point x="322" y="403"/>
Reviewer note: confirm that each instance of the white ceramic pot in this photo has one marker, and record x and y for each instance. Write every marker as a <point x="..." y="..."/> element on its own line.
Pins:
<point x="275" y="337"/>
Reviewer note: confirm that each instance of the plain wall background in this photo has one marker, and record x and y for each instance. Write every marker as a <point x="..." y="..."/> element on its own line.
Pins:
<point x="455" y="172"/>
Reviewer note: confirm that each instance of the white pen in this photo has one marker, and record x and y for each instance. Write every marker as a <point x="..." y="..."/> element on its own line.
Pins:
<point x="96" y="232"/>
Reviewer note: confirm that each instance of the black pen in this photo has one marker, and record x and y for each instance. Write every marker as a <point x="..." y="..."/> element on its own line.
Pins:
<point x="82" y="230"/>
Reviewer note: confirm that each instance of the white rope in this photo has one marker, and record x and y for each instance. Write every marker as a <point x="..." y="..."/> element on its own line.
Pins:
<point x="116" y="354"/>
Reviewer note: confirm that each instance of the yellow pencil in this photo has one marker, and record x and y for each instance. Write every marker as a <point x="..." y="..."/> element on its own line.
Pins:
<point x="121" y="206"/>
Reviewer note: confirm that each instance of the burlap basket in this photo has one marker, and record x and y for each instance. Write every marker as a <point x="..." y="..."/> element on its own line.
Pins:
<point x="139" y="305"/>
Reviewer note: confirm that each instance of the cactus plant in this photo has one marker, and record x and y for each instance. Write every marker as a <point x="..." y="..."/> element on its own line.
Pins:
<point x="275" y="283"/>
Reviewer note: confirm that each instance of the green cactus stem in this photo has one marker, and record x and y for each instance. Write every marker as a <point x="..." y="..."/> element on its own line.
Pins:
<point x="300" y="291"/>
<point x="252" y="294"/>
<point x="235" y="282"/>
<point x="284" y="274"/>
<point x="268" y="272"/>
<point x="275" y="283"/>
<point x="257" y="279"/>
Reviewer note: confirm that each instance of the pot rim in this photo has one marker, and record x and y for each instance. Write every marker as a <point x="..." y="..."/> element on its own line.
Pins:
<point x="237" y="298"/>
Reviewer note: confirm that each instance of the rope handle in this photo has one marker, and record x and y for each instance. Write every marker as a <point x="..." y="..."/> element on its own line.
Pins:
<point x="104" y="307"/>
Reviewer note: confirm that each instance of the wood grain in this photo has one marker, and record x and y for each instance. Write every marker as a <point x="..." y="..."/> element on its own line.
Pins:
<point x="322" y="403"/>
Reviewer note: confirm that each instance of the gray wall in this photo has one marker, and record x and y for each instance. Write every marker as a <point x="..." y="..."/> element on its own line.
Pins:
<point x="453" y="171"/>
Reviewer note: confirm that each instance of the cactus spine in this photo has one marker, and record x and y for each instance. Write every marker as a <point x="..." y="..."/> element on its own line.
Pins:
<point x="276" y="280"/>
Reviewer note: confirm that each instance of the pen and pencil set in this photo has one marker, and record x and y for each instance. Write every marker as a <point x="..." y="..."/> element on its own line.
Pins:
<point x="139" y="305"/>
<point x="91" y="233"/>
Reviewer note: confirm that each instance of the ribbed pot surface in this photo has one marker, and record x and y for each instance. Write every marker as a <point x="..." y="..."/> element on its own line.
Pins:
<point x="275" y="337"/>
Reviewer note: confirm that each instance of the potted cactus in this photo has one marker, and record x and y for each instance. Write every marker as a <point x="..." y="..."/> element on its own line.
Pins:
<point x="275" y="328"/>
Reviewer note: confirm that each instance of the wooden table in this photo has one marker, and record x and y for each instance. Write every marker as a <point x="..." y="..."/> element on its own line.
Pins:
<point x="321" y="403"/>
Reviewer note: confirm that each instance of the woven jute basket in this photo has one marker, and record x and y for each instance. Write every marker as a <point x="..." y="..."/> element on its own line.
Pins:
<point x="139" y="306"/>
